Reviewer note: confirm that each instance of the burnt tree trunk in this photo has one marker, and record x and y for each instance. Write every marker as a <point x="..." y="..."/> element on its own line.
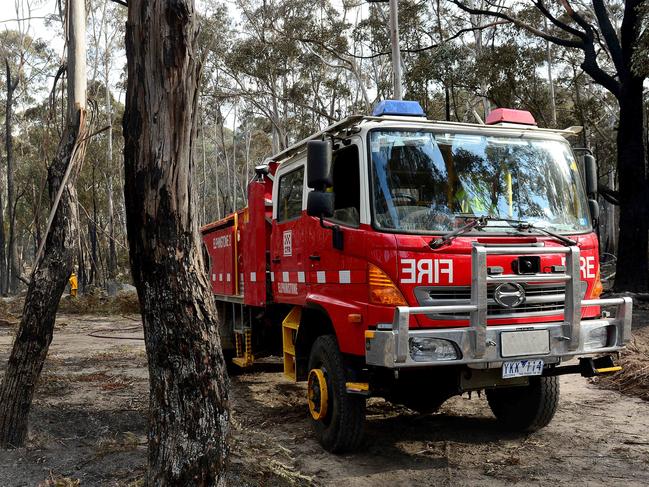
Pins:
<point x="188" y="418"/>
<point x="632" y="273"/>
<point x="632" y="269"/>
<point x="43" y="295"/>
<point x="53" y="263"/>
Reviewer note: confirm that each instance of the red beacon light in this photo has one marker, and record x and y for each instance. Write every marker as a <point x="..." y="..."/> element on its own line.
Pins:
<point x="509" y="115"/>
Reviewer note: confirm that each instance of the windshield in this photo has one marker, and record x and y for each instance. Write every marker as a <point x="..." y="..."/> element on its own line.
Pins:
<point x="431" y="182"/>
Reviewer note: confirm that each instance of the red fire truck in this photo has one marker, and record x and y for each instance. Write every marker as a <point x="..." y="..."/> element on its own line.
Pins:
<point x="395" y="256"/>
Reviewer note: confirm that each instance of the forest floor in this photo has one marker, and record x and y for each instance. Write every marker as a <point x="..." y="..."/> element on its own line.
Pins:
<point x="88" y="426"/>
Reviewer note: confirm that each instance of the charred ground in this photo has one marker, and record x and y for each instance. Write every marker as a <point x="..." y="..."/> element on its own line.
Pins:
<point x="88" y="425"/>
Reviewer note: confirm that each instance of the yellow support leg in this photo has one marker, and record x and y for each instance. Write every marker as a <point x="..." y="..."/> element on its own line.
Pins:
<point x="290" y="326"/>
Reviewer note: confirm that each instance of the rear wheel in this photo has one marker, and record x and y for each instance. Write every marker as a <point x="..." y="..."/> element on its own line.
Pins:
<point x="337" y="417"/>
<point x="526" y="408"/>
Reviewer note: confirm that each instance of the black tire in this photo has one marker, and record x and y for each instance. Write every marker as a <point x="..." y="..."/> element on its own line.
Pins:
<point x="341" y="430"/>
<point x="526" y="408"/>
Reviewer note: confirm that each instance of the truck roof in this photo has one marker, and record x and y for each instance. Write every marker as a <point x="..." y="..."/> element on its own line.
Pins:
<point x="422" y="122"/>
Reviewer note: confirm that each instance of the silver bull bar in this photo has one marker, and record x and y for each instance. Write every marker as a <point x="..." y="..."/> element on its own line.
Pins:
<point x="478" y="343"/>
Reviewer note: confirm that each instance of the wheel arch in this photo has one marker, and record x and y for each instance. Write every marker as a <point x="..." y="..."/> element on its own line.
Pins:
<point x="315" y="322"/>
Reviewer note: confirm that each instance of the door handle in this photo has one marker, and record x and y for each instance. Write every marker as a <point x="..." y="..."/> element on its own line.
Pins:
<point x="314" y="257"/>
<point x="276" y="260"/>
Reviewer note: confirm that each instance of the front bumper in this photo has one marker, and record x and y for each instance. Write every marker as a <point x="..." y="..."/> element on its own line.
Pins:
<point x="481" y="346"/>
<point x="386" y="348"/>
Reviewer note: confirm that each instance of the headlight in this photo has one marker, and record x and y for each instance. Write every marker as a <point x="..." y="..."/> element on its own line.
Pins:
<point x="596" y="338"/>
<point x="424" y="349"/>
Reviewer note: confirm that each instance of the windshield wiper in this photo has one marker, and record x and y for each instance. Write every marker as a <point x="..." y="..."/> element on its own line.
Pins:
<point x="478" y="223"/>
<point x="568" y="242"/>
<point x="522" y="225"/>
<point x="481" y="221"/>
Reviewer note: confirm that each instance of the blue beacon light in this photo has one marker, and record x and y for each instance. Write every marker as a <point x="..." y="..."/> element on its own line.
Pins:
<point x="398" y="107"/>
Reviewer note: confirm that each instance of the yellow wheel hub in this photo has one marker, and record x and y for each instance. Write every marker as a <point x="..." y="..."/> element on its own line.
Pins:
<point x="317" y="394"/>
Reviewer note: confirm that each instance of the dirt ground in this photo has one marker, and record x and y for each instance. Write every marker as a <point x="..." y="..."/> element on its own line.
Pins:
<point x="88" y="427"/>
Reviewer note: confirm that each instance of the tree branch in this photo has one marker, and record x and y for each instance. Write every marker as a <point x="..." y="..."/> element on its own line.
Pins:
<point x="22" y="19"/>
<point x="610" y="36"/>
<point x="583" y="23"/>
<point x="590" y="66"/>
<point x="456" y="35"/>
<point x="562" y="25"/>
<point x="533" y="30"/>
<point x="407" y="51"/>
<point x="609" y="195"/>
<point x="585" y="42"/>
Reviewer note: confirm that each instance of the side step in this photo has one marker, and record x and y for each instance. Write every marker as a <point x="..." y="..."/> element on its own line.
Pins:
<point x="290" y="326"/>
<point x="242" y="329"/>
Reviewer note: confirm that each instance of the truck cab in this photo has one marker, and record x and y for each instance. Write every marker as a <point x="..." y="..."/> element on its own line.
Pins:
<point x="415" y="260"/>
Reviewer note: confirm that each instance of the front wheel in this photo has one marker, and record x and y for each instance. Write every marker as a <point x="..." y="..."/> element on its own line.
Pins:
<point x="526" y="408"/>
<point x="337" y="417"/>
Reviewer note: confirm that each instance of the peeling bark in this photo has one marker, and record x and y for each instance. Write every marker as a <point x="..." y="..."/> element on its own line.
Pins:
<point x="189" y="411"/>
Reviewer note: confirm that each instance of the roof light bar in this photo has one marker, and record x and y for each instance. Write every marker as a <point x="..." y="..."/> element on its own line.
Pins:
<point x="509" y="115"/>
<point x="404" y="108"/>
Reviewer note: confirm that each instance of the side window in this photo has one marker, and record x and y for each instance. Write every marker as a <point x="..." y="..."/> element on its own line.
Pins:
<point x="347" y="186"/>
<point x="290" y="195"/>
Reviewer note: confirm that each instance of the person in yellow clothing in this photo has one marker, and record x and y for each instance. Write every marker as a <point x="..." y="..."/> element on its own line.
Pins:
<point x="74" y="285"/>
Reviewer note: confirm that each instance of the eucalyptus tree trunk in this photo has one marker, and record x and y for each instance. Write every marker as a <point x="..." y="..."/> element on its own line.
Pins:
<point x="203" y="207"/>
<point x="9" y="261"/>
<point x="548" y="59"/>
<point x="54" y="260"/>
<point x="188" y="406"/>
<point x="111" y="263"/>
<point x="112" y="250"/>
<point x="47" y="284"/>
<point x="216" y="174"/>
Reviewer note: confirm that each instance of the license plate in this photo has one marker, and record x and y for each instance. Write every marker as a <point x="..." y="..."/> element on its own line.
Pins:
<point x="524" y="343"/>
<point x="522" y="368"/>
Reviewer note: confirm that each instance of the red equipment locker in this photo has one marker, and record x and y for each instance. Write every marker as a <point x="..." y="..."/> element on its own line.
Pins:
<point x="221" y="243"/>
<point x="255" y="239"/>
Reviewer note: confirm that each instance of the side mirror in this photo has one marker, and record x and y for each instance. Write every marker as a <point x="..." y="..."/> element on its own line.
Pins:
<point x="590" y="174"/>
<point x="593" y="206"/>
<point x="318" y="164"/>
<point x="320" y="204"/>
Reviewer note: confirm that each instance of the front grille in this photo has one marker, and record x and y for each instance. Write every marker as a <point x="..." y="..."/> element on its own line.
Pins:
<point x="540" y="299"/>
